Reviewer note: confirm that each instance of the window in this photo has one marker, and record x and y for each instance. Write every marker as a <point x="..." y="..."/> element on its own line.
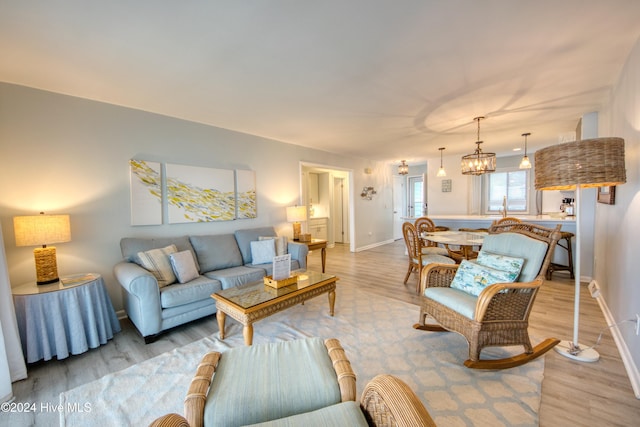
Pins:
<point x="514" y="184"/>
<point x="416" y="197"/>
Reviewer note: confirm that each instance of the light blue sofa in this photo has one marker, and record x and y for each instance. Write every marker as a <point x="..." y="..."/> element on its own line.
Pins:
<point x="223" y="260"/>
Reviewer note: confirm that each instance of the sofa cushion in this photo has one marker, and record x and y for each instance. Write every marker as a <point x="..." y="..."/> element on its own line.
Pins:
<point x="520" y="246"/>
<point x="197" y="289"/>
<point x="157" y="262"/>
<point x="245" y="236"/>
<point x="473" y="278"/>
<point x="130" y="246"/>
<point x="455" y="299"/>
<point x="342" y="414"/>
<point x="236" y="276"/>
<point x="281" y="244"/>
<point x="184" y="266"/>
<point x="215" y="252"/>
<point x="263" y="251"/>
<point x="270" y="381"/>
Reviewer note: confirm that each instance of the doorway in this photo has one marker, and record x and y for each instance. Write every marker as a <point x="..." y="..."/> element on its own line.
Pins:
<point x="326" y="191"/>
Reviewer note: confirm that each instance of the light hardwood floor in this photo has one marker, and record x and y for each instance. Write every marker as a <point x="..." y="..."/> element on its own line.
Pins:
<point x="573" y="393"/>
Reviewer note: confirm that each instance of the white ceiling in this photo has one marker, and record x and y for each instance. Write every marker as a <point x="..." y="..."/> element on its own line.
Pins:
<point x="380" y="79"/>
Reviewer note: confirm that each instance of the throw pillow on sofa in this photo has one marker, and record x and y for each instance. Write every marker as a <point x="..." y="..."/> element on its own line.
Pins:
<point x="156" y="261"/>
<point x="263" y="251"/>
<point x="184" y="266"/>
<point x="281" y="243"/>
<point x="472" y="278"/>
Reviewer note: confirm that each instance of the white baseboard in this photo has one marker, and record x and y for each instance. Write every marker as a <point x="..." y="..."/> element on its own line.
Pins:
<point x="625" y="354"/>
<point x="375" y="245"/>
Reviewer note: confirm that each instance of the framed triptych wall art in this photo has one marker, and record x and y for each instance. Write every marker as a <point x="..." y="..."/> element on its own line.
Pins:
<point x="246" y="203"/>
<point x="199" y="194"/>
<point x="146" y="192"/>
<point x="189" y="193"/>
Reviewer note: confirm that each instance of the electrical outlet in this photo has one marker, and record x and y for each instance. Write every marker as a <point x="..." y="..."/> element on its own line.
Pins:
<point x="637" y="324"/>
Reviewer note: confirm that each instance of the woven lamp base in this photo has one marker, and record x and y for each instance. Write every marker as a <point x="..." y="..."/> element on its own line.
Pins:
<point x="46" y="265"/>
<point x="297" y="229"/>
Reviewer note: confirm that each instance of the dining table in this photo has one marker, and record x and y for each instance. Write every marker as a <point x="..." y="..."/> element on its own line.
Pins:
<point x="465" y="241"/>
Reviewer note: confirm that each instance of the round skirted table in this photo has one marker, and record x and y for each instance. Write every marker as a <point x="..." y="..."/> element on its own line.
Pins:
<point x="64" y="318"/>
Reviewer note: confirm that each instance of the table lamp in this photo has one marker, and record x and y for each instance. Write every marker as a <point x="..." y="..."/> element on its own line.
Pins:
<point x="43" y="230"/>
<point x="594" y="162"/>
<point x="295" y="214"/>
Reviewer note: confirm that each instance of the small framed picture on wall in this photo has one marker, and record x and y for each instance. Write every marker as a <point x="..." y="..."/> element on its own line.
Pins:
<point x="607" y="195"/>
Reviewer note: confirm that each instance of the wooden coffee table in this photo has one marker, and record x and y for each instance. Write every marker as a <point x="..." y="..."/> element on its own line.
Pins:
<point x="254" y="301"/>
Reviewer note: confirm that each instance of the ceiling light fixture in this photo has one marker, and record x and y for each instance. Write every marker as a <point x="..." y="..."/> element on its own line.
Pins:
<point x="479" y="162"/>
<point x="441" y="172"/>
<point x="403" y="168"/>
<point x="525" y="163"/>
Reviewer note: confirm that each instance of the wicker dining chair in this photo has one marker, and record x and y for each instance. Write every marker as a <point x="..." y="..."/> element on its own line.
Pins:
<point x="499" y="315"/>
<point x="417" y="259"/>
<point x="508" y="220"/>
<point x="424" y="224"/>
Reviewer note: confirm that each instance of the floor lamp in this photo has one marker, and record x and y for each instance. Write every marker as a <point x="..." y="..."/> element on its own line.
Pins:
<point x="575" y="165"/>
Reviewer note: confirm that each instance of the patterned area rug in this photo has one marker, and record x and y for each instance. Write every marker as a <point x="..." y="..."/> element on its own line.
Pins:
<point x="378" y="337"/>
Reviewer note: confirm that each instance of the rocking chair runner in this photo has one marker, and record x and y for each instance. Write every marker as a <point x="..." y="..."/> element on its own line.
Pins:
<point x="499" y="315"/>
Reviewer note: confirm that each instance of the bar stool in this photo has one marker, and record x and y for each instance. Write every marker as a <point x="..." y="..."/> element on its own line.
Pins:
<point x="563" y="242"/>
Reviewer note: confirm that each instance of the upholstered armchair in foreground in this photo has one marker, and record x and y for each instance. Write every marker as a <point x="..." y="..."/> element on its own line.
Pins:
<point x="306" y="382"/>
<point x="489" y="300"/>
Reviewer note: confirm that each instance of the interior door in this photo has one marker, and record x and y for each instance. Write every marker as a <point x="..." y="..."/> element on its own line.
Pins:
<point x="340" y="211"/>
<point x="399" y="195"/>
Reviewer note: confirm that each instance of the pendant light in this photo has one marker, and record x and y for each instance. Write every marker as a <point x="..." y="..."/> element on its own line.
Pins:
<point x="403" y="168"/>
<point x="441" y="172"/>
<point x="525" y="163"/>
<point x="479" y="162"/>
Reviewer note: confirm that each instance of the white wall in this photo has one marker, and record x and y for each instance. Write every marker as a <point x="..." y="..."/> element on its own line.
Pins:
<point x="617" y="235"/>
<point x="61" y="154"/>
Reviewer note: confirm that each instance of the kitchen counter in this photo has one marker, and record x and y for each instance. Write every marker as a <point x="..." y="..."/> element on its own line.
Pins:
<point x="490" y="218"/>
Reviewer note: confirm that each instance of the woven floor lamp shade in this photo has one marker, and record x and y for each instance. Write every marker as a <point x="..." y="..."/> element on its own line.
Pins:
<point x="594" y="162"/>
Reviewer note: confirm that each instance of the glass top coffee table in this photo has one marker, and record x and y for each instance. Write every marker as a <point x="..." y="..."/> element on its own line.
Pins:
<point x="254" y="301"/>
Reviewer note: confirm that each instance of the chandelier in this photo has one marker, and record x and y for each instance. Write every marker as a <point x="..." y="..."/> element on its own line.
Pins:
<point x="479" y="162"/>
<point x="403" y="168"/>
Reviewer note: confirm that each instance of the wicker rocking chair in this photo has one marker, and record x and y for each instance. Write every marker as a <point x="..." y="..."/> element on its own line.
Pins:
<point x="499" y="315"/>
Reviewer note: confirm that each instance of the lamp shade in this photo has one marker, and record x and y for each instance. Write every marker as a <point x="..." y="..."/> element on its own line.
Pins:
<point x="594" y="162"/>
<point x="35" y="230"/>
<point x="296" y="213"/>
